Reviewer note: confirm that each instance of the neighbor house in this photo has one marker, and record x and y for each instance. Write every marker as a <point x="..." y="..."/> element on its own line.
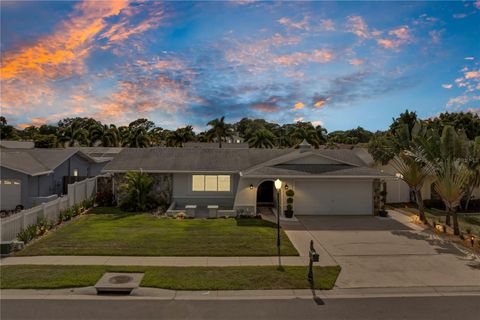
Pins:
<point x="325" y="181"/>
<point x="29" y="176"/>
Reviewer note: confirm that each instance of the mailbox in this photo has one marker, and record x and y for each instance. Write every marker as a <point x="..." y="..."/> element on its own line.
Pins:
<point x="314" y="256"/>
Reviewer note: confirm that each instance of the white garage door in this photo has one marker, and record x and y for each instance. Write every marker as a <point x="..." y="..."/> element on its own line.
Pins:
<point x="333" y="197"/>
<point x="11" y="193"/>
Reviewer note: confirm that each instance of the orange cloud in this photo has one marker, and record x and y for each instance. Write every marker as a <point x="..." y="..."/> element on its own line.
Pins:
<point x="358" y="26"/>
<point x="320" y="56"/>
<point x="472" y="74"/>
<point x="319" y="103"/>
<point x="401" y="36"/>
<point x="303" y="24"/>
<point x="356" y="62"/>
<point x="265" y="107"/>
<point x="299" y="105"/>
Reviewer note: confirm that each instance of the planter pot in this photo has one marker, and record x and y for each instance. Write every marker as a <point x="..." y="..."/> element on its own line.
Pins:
<point x="288" y="213"/>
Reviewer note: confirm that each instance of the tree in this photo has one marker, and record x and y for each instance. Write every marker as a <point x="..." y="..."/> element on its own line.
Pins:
<point x="45" y="141"/>
<point x="142" y="123"/>
<point x="74" y="133"/>
<point x="262" y="138"/>
<point x="178" y="137"/>
<point x="221" y="130"/>
<point x="472" y="164"/>
<point x="136" y="191"/>
<point x="306" y="131"/>
<point x="7" y="132"/>
<point x="137" y="138"/>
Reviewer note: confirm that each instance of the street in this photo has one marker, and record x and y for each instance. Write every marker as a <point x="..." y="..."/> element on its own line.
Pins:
<point x="424" y="308"/>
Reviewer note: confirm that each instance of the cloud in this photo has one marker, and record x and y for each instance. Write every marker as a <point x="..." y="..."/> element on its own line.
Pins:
<point x="459" y="15"/>
<point x="320" y="101"/>
<point x="264" y="107"/>
<point x="358" y="26"/>
<point x="435" y="35"/>
<point x="469" y="58"/>
<point x="356" y="62"/>
<point x="301" y="25"/>
<point x="299" y="119"/>
<point x="327" y="25"/>
<point x="472" y="74"/>
<point x="399" y="35"/>
<point x="299" y="105"/>
<point x="447" y="86"/>
<point x="318" y="56"/>
<point x="477" y="4"/>
<point x="318" y="123"/>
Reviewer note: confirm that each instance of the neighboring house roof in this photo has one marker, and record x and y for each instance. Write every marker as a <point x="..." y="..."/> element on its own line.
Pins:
<point x="214" y="145"/>
<point x="10" y="144"/>
<point x="248" y="162"/>
<point x="37" y="161"/>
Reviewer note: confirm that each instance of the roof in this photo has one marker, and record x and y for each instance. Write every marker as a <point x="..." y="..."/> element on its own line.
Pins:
<point x="37" y="161"/>
<point x="317" y="170"/>
<point x="163" y="159"/>
<point x="214" y="145"/>
<point x="246" y="161"/>
<point x="10" y="144"/>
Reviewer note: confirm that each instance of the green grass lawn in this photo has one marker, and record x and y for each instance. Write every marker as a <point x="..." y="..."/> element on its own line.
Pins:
<point x="465" y="221"/>
<point x="109" y="231"/>
<point x="175" y="278"/>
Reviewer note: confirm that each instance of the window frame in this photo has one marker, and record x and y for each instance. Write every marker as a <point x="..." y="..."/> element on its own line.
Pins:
<point x="205" y="184"/>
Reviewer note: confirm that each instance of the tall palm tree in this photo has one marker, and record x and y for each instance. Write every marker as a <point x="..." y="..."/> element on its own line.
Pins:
<point x="305" y="131"/>
<point x="136" y="189"/>
<point x="472" y="163"/>
<point x="137" y="138"/>
<point x="73" y="135"/>
<point x="451" y="178"/>
<point x="414" y="173"/>
<point x="262" y="138"/>
<point x="221" y="129"/>
<point x="178" y="137"/>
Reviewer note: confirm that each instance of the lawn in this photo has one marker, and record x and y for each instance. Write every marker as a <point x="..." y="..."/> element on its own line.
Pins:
<point x="109" y="231"/>
<point x="175" y="278"/>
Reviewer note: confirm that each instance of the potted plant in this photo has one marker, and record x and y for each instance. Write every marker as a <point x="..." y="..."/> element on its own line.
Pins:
<point x="289" y="211"/>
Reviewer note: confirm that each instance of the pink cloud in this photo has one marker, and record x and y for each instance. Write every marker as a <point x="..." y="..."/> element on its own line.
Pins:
<point x="299" y="105"/>
<point x="358" y="26"/>
<point x="472" y="74"/>
<point x="265" y="107"/>
<point x="319" y="56"/>
<point x="447" y="86"/>
<point x="302" y="25"/>
<point x="356" y="62"/>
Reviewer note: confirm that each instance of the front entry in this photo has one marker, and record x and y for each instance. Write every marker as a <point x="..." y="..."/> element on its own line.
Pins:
<point x="265" y="194"/>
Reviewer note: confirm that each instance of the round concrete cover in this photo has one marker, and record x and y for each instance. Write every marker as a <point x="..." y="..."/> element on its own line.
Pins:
<point x="120" y="279"/>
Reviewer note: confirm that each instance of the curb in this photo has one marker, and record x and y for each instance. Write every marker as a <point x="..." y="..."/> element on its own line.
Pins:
<point x="143" y="293"/>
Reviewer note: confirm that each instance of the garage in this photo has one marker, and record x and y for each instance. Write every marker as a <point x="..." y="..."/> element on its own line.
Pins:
<point x="333" y="197"/>
<point x="11" y="193"/>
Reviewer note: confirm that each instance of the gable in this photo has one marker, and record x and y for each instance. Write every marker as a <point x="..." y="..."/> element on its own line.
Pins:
<point x="312" y="159"/>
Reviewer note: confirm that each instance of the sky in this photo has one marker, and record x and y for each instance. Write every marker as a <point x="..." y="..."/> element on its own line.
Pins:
<point x="337" y="64"/>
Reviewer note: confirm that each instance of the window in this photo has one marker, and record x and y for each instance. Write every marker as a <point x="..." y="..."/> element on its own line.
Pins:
<point x="9" y="181"/>
<point x="211" y="183"/>
<point x="75" y="172"/>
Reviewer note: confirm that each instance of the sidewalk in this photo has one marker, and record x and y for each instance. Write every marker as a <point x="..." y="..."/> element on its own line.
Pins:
<point x="156" y="261"/>
<point x="143" y="293"/>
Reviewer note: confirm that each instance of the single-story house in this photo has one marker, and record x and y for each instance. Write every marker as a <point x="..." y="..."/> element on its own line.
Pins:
<point x="31" y="176"/>
<point x="325" y="181"/>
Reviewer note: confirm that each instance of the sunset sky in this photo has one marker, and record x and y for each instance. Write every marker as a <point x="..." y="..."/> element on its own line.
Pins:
<point x="339" y="64"/>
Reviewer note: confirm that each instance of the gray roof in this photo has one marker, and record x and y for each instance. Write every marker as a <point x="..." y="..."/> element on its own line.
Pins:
<point x="214" y="145"/>
<point x="191" y="159"/>
<point x="10" y="144"/>
<point x="330" y="170"/>
<point x="212" y="160"/>
<point x="37" y="161"/>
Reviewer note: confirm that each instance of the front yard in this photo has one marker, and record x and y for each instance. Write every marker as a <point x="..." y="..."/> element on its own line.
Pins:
<point x="174" y="278"/>
<point x="110" y="231"/>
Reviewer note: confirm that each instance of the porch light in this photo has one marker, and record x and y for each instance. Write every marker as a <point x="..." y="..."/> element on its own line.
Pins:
<point x="251" y="186"/>
<point x="286" y="186"/>
<point x="278" y="184"/>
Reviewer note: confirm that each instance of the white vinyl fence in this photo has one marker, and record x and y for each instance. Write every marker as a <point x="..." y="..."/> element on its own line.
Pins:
<point x="77" y="192"/>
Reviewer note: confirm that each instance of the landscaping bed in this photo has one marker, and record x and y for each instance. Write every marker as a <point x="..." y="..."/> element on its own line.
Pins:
<point x="175" y="278"/>
<point x="110" y="231"/>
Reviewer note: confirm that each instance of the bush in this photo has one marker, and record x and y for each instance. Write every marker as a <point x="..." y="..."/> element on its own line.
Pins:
<point x="28" y="234"/>
<point x="87" y="203"/>
<point x="290" y="193"/>
<point x="137" y="192"/>
<point x="289" y="207"/>
<point x="42" y="225"/>
<point x="104" y="199"/>
<point x="289" y="200"/>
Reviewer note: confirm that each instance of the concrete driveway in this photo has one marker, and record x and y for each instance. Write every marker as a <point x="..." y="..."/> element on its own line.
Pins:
<point x="384" y="252"/>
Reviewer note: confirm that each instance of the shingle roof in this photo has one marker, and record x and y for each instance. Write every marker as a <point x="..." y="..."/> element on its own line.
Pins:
<point x="210" y="160"/>
<point x="331" y="170"/>
<point x="11" y="144"/>
<point x="36" y="161"/>
<point x="191" y="159"/>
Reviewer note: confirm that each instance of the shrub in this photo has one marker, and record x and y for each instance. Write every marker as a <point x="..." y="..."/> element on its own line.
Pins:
<point x="289" y="207"/>
<point x="290" y="193"/>
<point x="28" y="234"/>
<point x="289" y="200"/>
<point x="42" y="225"/>
<point x="104" y="199"/>
<point x="181" y="215"/>
<point x="87" y="203"/>
<point x="60" y="217"/>
<point x="137" y="191"/>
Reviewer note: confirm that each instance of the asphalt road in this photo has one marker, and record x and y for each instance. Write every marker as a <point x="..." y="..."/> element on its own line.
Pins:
<point x="423" y="308"/>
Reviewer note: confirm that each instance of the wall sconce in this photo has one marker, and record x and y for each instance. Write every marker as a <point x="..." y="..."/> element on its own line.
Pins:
<point x="286" y="186"/>
<point x="251" y="187"/>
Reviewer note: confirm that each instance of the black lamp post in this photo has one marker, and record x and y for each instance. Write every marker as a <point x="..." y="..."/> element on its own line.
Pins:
<point x="278" y="186"/>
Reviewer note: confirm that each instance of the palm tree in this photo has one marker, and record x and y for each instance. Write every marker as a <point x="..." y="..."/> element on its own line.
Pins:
<point x="305" y="131"/>
<point x="123" y="133"/>
<point x="73" y="135"/>
<point x="178" y="137"/>
<point x="262" y="138"/>
<point x="472" y="163"/>
<point x="414" y="173"/>
<point x="221" y="129"/>
<point x="451" y="178"/>
<point x="136" y="189"/>
<point x="137" y="138"/>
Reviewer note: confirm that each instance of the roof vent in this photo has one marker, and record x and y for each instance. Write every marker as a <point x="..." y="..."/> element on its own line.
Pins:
<point x="304" y="145"/>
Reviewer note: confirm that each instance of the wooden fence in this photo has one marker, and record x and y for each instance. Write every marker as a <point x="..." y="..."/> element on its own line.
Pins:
<point x="77" y="193"/>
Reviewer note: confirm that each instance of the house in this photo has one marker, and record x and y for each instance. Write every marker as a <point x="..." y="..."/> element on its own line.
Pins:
<point x="13" y="144"/>
<point x="30" y="176"/>
<point x="226" y="145"/>
<point x="325" y="181"/>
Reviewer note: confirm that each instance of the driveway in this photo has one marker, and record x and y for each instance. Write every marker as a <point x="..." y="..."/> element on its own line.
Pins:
<point x="383" y="252"/>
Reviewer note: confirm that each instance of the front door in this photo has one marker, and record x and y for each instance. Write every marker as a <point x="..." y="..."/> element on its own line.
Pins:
<point x="265" y="194"/>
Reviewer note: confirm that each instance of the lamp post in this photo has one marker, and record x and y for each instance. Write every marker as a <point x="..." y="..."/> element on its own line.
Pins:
<point x="278" y="186"/>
